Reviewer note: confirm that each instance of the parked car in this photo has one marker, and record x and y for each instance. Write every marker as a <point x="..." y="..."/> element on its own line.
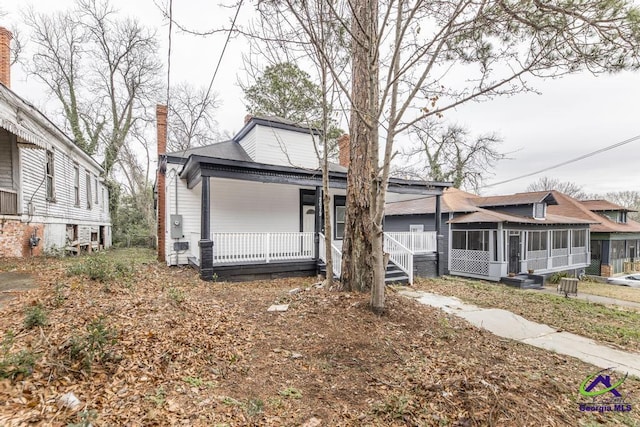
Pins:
<point x="632" y="280"/>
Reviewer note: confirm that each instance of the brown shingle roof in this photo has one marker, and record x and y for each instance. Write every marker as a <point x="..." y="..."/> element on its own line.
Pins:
<point x="562" y="210"/>
<point x="487" y="216"/>
<point x="568" y="206"/>
<point x="453" y="200"/>
<point x="515" y="199"/>
<point x="604" y="205"/>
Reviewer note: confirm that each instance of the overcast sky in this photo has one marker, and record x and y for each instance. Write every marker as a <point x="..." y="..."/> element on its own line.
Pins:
<point x="574" y="115"/>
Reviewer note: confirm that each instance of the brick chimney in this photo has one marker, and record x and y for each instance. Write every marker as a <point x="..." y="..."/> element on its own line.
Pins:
<point x="344" y="150"/>
<point x="161" y="124"/>
<point x="5" y="56"/>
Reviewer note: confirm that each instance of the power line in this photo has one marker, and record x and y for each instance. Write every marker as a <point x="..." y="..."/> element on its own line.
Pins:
<point x="584" y="156"/>
<point x="169" y="51"/>
<point x="224" y="48"/>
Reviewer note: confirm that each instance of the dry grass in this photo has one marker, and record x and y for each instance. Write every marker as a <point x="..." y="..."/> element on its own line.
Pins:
<point x="610" y="325"/>
<point x="612" y="291"/>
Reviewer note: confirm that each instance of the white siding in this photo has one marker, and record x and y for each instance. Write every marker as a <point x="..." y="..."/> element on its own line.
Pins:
<point x="246" y="206"/>
<point x="63" y="209"/>
<point x="284" y="147"/>
<point x="248" y="143"/>
<point x="189" y="207"/>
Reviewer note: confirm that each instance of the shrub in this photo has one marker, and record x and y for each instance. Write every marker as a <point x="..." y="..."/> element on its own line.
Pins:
<point x="101" y="269"/>
<point x="35" y="316"/>
<point x="14" y="364"/>
<point x="555" y="277"/>
<point x="95" y="345"/>
<point x="176" y="295"/>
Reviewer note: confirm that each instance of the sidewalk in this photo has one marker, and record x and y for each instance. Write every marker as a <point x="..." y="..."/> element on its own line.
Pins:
<point x="593" y="298"/>
<point x="509" y="325"/>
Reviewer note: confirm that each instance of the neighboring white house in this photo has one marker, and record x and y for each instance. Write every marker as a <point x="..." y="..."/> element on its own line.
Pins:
<point x="51" y="193"/>
<point x="252" y="206"/>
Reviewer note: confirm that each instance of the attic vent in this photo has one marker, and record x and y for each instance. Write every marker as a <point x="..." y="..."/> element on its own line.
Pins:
<point x="538" y="210"/>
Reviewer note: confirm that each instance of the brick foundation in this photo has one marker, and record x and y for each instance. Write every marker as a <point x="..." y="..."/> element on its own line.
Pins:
<point x="605" y="270"/>
<point x="14" y="238"/>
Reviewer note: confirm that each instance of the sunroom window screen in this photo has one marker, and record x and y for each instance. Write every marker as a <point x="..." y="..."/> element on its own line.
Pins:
<point x="537" y="241"/>
<point x="560" y="238"/>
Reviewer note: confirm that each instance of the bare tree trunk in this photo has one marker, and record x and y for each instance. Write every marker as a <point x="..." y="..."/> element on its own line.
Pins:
<point x="358" y="257"/>
<point x="326" y="197"/>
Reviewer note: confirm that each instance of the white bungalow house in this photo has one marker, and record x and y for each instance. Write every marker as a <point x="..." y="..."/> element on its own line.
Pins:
<point x="51" y="194"/>
<point x="500" y="236"/>
<point x="251" y="207"/>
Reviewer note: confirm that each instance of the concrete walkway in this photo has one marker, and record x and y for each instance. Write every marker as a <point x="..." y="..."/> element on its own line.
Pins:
<point x="14" y="282"/>
<point x="509" y="325"/>
<point x="593" y="298"/>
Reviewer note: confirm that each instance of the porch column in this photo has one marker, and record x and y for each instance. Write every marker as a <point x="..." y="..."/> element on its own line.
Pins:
<point x="439" y="238"/>
<point x="500" y="243"/>
<point x="205" y="243"/>
<point x="317" y="226"/>
<point x="549" y="250"/>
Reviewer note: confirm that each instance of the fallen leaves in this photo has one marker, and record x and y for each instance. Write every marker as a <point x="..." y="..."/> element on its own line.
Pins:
<point x="218" y="357"/>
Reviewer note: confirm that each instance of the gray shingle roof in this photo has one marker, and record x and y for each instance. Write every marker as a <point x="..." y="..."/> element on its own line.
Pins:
<point x="229" y="150"/>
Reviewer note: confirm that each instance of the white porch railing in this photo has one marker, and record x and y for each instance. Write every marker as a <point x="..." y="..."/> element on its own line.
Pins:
<point x="261" y="247"/>
<point x="541" y="260"/>
<point x="537" y="260"/>
<point x="400" y="255"/>
<point x="419" y="242"/>
<point x="336" y="256"/>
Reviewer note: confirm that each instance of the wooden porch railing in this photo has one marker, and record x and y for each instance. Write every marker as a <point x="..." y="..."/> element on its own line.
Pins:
<point x="8" y="202"/>
<point x="261" y="247"/>
<point x="400" y="255"/>
<point x="419" y="242"/>
<point x="336" y="256"/>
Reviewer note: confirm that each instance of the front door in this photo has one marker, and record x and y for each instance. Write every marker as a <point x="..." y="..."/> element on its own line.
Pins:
<point x="307" y="219"/>
<point x="514" y="253"/>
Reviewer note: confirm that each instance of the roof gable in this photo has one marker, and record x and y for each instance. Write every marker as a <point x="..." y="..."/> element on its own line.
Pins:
<point x="31" y="126"/>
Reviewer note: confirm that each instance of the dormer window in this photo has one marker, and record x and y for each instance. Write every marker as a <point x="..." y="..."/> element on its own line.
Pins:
<point x="616" y="216"/>
<point x="539" y="210"/>
<point x="623" y="217"/>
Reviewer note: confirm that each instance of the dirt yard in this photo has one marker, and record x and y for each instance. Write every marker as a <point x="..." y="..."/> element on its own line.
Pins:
<point x="138" y="343"/>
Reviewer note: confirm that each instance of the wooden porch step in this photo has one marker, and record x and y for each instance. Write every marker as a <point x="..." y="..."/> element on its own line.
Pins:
<point x="392" y="275"/>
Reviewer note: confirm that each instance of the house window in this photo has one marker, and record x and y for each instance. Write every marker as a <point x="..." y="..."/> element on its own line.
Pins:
<point x="478" y="240"/>
<point x="537" y="241"/>
<point x="538" y="210"/>
<point x="579" y="238"/>
<point x="560" y="239"/>
<point x="623" y="217"/>
<point x="416" y="228"/>
<point x="76" y="184"/>
<point x="104" y="201"/>
<point x="88" y="190"/>
<point x="475" y="240"/>
<point x="459" y="240"/>
<point x="339" y="212"/>
<point x="49" y="171"/>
